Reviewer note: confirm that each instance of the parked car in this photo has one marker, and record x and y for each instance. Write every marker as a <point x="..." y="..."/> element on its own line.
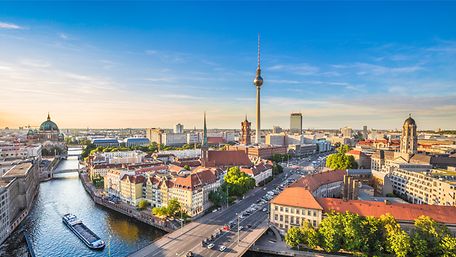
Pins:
<point x="222" y="248"/>
<point x="210" y="246"/>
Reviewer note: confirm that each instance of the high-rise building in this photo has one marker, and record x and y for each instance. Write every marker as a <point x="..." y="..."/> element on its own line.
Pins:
<point x="296" y="123"/>
<point x="347" y="132"/>
<point x="276" y="129"/>
<point x="179" y="128"/>
<point x="365" y="134"/>
<point x="258" y="82"/>
<point x="245" y="132"/>
<point x="409" y="138"/>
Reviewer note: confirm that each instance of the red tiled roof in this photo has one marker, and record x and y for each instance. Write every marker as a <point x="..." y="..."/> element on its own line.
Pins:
<point x="257" y="169"/>
<point x="134" y="179"/>
<point x="314" y="181"/>
<point x="174" y="168"/>
<point x="298" y="197"/>
<point x="402" y="212"/>
<point x="196" y="180"/>
<point x="215" y="140"/>
<point x="228" y="158"/>
<point x="354" y="152"/>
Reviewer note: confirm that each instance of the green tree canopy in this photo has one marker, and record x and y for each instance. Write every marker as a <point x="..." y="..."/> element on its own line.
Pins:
<point x="238" y="182"/>
<point x="294" y="237"/>
<point x="143" y="204"/>
<point x="426" y="237"/>
<point x="341" y="161"/>
<point x="331" y="232"/>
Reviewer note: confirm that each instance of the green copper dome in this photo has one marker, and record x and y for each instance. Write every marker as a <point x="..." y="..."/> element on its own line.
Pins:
<point x="49" y="125"/>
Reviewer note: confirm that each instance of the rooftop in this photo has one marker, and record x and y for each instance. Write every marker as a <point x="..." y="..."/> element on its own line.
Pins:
<point x="297" y="197"/>
<point x="401" y="212"/>
<point x="19" y="170"/>
<point x="314" y="181"/>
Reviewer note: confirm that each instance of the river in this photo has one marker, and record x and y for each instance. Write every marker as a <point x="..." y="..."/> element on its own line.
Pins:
<point x="50" y="237"/>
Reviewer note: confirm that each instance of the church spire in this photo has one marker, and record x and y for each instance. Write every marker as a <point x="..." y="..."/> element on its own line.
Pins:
<point x="204" y="132"/>
<point x="49" y="116"/>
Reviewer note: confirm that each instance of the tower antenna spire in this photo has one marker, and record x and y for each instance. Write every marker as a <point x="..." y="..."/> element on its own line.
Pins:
<point x="259" y="53"/>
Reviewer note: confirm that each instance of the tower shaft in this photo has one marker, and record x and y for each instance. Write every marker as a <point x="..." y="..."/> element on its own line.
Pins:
<point x="258" y="115"/>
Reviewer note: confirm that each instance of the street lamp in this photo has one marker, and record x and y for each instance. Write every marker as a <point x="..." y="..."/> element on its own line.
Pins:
<point x="239" y="233"/>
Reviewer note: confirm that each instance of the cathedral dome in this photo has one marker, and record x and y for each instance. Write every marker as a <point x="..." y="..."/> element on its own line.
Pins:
<point x="409" y="121"/>
<point x="49" y="125"/>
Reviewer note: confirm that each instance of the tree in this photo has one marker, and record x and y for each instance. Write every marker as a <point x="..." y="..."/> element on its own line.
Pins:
<point x="173" y="207"/>
<point x="331" y="232"/>
<point x="218" y="197"/>
<point x="354" y="238"/>
<point x="397" y="240"/>
<point x="341" y="161"/>
<point x="143" y="204"/>
<point x="448" y="246"/>
<point x="426" y="237"/>
<point x="294" y="237"/>
<point x="187" y="167"/>
<point x="160" y="211"/>
<point x="310" y="235"/>
<point x="276" y="168"/>
<point x="374" y="233"/>
<point x="238" y="182"/>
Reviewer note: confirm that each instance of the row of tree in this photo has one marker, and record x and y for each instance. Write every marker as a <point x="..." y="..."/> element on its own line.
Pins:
<point x="370" y="236"/>
<point x="340" y="160"/>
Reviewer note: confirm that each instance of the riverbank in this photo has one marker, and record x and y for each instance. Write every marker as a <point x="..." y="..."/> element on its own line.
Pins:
<point x="125" y="209"/>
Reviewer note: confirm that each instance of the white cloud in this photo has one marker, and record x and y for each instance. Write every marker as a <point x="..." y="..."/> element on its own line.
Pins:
<point x="300" y="69"/>
<point x="4" y="25"/>
<point x="63" y="36"/>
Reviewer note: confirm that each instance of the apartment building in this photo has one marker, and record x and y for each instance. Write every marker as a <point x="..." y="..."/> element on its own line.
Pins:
<point x="428" y="187"/>
<point x="324" y="184"/>
<point x="293" y="206"/>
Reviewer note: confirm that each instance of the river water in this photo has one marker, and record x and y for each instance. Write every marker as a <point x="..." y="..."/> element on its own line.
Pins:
<point x="50" y="237"/>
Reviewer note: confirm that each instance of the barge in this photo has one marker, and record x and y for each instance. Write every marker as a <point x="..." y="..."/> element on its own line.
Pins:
<point x="86" y="235"/>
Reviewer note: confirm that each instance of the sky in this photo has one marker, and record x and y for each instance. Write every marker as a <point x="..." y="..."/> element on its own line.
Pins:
<point x="102" y="64"/>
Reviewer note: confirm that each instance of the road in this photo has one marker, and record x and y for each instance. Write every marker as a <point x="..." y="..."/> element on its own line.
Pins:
<point x="189" y="238"/>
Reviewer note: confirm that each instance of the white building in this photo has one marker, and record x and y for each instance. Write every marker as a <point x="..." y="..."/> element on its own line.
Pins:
<point x="173" y="139"/>
<point x="259" y="172"/>
<point x="179" y="128"/>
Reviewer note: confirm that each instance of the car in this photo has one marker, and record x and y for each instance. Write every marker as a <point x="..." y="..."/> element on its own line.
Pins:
<point x="210" y="246"/>
<point x="222" y="248"/>
<point x="189" y="254"/>
<point x="265" y="209"/>
<point x="248" y="225"/>
<point x="215" y="210"/>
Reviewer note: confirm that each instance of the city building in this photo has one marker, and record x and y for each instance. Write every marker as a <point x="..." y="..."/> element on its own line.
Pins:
<point x="18" y="188"/>
<point x="276" y="130"/>
<point x="105" y="142"/>
<point x="136" y="141"/>
<point x="365" y="133"/>
<point x="409" y="138"/>
<point x="324" y="184"/>
<point x="434" y="187"/>
<point x="256" y="153"/>
<point x="245" y="132"/>
<point x="48" y="131"/>
<point x="179" y="129"/>
<point x="259" y="172"/>
<point x="295" y="205"/>
<point x="275" y="139"/>
<point x="363" y="159"/>
<point x="347" y="132"/>
<point x="296" y="123"/>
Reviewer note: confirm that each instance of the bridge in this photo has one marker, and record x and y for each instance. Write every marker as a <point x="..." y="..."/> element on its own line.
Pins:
<point x="237" y="242"/>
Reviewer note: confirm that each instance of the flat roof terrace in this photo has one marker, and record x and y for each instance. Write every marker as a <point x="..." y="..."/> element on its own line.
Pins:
<point x="18" y="170"/>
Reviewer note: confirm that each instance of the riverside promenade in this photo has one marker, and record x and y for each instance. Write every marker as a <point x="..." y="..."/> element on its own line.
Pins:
<point x="128" y="210"/>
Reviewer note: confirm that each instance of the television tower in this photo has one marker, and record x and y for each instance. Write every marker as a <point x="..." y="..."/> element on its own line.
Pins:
<point x="258" y="82"/>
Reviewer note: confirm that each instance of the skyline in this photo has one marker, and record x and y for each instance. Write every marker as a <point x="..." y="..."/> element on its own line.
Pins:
<point x="340" y="65"/>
